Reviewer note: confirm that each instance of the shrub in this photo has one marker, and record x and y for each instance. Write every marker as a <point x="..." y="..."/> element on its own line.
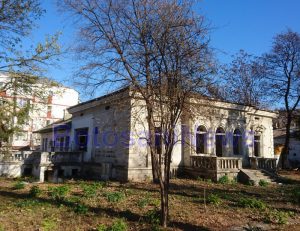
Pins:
<point x="48" y="225"/>
<point x="118" y="225"/>
<point x="81" y="209"/>
<point x="35" y="191"/>
<point x="115" y="196"/>
<point x="59" y="193"/>
<point x="263" y="183"/>
<point x="19" y="185"/>
<point x="214" y="199"/>
<point x="251" y="203"/>
<point x="224" y="180"/>
<point x="279" y="217"/>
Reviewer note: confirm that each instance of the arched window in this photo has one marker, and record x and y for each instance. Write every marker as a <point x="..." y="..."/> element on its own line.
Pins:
<point x="220" y="139"/>
<point x="201" y="140"/>
<point x="237" y="142"/>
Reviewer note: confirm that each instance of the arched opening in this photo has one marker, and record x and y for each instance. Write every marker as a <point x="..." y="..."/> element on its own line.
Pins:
<point x="237" y="142"/>
<point x="201" y="145"/>
<point x="220" y="139"/>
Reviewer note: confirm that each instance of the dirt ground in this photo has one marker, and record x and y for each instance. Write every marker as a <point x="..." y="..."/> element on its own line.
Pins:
<point x="194" y="205"/>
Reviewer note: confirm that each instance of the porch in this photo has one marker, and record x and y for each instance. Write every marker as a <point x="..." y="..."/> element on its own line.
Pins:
<point x="213" y="167"/>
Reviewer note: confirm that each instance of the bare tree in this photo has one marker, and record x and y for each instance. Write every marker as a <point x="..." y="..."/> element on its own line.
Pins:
<point x="283" y="73"/>
<point x="160" y="48"/>
<point x="244" y="82"/>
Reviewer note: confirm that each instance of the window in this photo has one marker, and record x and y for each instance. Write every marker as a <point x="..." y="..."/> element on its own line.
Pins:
<point x="22" y="102"/>
<point x="220" y="139"/>
<point x="81" y="138"/>
<point x="61" y="143"/>
<point x="257" y="145"/>
<point x="67" y="144"/>
<point x="45" y="144"/>
<point x="237" y="142"/>
<point x="201" y="140"/>
<point x="21" y="136"/>
<point x="52" y="145"/>
<point x="158" y="140"/>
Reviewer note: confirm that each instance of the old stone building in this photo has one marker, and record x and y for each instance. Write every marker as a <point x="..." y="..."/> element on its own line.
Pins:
<point x="106" y="139"/>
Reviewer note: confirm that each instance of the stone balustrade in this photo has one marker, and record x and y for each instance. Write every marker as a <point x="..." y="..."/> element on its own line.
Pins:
<point x="268" y="164"/>
<point x="204" y="162"/>
<point x="60" y="157"/>
<point x="216" y="163"/>
<point x="213" y="167"/>
<point x="229" y="163"/>
<point x="18" y="156"/>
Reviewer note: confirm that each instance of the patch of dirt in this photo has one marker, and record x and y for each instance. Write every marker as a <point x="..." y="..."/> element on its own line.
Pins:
<point x="194" y="205"/>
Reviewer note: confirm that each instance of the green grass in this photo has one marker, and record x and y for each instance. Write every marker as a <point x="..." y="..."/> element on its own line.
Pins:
<point x="224" y="180"/>
<point x="252" y="203"/>
<point x="214" y="199"/>
<point x="117" y="225"/>
<point x="89" y="191"/>
<point x="35" y="191"/>
<point x="59" y="193"/>
<point x="278" y="217"/>
<point x="28" y="203"/>
<point x="81" y="209"/>
<point x="48" y="225"/>
<point x="263" y="183"/>
<point x="19" y="185"/>
<point x="115" y="196"/>
<point x="143" y="202"/>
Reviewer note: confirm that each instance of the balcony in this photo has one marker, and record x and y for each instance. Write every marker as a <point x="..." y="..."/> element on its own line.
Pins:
<point x="61" y="158"/>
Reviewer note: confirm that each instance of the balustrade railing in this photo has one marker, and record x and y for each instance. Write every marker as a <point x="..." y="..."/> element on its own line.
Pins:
<point x="263" y="163"/>
<point x="216" y="163"/>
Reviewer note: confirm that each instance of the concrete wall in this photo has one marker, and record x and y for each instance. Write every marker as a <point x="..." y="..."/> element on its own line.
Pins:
<point x="11" y="169"/>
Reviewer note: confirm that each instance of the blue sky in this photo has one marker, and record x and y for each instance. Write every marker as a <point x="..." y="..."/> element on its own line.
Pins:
<point x="236" y="24"/>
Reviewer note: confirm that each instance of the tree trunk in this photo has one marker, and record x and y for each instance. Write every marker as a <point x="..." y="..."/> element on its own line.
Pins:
<point x="155" y="178"/>
<point x="286" y="149"/>
<point x="164" y="205"/>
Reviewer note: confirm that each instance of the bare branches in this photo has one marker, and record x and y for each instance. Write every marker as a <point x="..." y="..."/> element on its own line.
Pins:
<point x="283" y="71"/>
<point x="159" y="48"/>
<point x="283" y="68"/>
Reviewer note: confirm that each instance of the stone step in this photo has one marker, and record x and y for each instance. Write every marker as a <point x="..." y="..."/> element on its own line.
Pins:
<point x="255" y="175"/>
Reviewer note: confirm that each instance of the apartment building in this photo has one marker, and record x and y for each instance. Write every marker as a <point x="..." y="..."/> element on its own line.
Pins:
<point x="45" y="109"/>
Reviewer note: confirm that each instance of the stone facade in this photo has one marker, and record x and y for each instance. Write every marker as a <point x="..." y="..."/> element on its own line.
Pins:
<point x="110" y="132"/>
